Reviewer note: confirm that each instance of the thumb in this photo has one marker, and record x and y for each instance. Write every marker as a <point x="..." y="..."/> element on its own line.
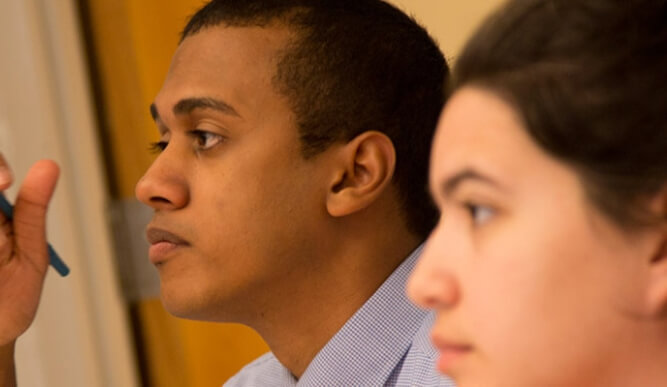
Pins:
<point x="30" y="211"/>
<point x="5" y="174"/>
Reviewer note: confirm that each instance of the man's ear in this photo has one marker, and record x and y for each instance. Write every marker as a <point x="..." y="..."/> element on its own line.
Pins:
<point x="365" y="168"/>
<point x="657" y="287"/>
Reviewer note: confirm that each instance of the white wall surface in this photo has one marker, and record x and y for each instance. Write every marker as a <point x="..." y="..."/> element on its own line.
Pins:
<point x="80" y="337"/>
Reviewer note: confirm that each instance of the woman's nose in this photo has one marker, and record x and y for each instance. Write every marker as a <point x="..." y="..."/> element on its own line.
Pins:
<point x="433" y="283"/>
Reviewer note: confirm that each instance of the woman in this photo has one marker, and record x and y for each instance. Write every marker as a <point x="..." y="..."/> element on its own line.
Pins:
<point x="549" y="264"/>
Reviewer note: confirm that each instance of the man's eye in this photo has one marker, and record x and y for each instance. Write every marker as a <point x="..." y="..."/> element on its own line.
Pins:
<point x="480" y="214"/>
<point x="206" y="140"/>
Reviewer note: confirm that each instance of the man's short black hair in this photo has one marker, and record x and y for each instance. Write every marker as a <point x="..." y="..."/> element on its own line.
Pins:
<point x="354" y="66"/>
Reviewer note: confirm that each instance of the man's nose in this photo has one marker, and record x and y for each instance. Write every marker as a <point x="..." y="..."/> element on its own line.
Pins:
<point x="164" y="186"/>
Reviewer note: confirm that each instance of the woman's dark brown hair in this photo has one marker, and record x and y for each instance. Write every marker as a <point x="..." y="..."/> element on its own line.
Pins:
<point x="589" y="80"/>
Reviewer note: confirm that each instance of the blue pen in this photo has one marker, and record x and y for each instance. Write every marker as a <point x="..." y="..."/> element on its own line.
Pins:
<point x="54" y="259"/>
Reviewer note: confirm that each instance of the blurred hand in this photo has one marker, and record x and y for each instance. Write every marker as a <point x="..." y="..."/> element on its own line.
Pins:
<point x="23" y="255"/>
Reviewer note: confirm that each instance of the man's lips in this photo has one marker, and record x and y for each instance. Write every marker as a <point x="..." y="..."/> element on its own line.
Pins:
<point x="162" y="243"/>
<point x="157" y="235"/>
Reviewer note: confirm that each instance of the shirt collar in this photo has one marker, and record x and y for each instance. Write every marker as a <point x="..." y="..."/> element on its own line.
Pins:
<point x="373" y="341"/>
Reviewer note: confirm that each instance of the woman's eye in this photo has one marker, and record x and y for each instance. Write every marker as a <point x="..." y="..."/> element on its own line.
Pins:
<point x="158" y="146"/>
<point x="206" y="140"/>
<point x="480" y="214"/>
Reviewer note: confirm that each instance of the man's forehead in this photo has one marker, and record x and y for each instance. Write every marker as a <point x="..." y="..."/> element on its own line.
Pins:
<point x="222" y="51"/>
<point x="223" y="36"/>
<point x="225" y="68"/>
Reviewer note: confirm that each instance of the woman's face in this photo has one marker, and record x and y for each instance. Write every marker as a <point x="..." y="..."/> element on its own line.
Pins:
<point x="531" y="284"/>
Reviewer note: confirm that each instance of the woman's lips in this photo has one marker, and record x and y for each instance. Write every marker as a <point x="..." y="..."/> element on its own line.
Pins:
<point x="451" y="353"/>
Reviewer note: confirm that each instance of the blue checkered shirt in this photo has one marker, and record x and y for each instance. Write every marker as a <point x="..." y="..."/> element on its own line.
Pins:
<point x="385" y="343"/>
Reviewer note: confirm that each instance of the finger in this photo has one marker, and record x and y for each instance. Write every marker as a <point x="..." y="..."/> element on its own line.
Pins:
<point x="6" y="244"/>
<point x="6" y="239"/>
<point x="30" y="212"/>
<point x="6" y="226"/>
<point x="5" y="174"/>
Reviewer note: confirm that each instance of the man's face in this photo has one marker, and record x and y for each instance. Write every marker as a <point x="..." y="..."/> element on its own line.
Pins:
<point x="230" y="185"/>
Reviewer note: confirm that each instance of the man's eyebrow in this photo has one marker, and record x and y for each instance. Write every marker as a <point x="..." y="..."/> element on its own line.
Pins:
<point x="187" y="105"/>
<point x="453" y="182"/>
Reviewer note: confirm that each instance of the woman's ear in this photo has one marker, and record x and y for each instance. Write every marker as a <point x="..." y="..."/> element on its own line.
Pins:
<point x="365" y="168"/>
<point x="657" y="289"/>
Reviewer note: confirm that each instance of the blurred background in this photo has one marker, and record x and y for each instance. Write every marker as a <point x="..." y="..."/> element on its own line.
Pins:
<point x="76" y="80"/>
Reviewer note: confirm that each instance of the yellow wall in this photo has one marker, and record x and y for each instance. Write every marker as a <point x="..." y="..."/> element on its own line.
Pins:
<point x="450" y="22"/>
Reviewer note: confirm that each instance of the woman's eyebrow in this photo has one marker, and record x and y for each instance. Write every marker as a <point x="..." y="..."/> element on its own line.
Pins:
<point x="449" y="185"/>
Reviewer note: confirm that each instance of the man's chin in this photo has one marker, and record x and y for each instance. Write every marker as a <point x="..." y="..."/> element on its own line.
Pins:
<point x="190" y="307"/>
<point x="181" y="306"/>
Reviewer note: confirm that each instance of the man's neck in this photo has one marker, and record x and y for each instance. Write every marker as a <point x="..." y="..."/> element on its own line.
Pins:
<point x="325" y="299"/>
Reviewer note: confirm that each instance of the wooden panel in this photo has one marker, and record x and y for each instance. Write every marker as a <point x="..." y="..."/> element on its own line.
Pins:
<point x="191" y="353"/>
<point x="162" y="350"/>
<point x="122" y="100"/>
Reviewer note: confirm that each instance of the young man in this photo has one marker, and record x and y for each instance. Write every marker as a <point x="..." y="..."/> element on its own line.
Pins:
<point x="289" y="194"/>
